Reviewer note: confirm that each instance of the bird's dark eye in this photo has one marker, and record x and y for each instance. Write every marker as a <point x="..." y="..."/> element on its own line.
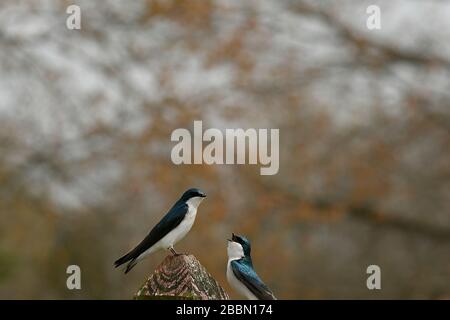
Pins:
<point x="237" y="239"/>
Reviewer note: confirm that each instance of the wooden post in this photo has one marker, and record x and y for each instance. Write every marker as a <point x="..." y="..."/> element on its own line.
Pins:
<point x="181" y="277"/>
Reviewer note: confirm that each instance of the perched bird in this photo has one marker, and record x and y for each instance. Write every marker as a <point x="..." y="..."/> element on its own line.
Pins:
<point x="240" y="273"/>
<point x="171" y="229"/>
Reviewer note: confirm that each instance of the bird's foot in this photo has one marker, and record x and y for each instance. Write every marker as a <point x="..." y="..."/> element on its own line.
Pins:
<point x="176" y="254"/>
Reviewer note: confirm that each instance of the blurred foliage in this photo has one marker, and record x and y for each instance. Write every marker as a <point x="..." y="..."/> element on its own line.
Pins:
<point x="86" y="118"/>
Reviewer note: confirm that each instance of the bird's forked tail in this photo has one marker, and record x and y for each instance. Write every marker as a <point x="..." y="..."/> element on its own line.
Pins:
<point x="125" y="259"/>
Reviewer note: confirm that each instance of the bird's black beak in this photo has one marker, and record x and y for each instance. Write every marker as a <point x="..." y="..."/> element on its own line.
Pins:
<point x="234" y="238"/>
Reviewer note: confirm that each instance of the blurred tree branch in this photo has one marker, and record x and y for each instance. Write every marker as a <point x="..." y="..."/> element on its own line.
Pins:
<point x="363" y="212"/>
<point x="371" y="52"/>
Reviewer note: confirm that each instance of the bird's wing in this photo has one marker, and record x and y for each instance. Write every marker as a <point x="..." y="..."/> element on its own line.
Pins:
<point x="250" y="279"/>
<point x="170" y="221"/>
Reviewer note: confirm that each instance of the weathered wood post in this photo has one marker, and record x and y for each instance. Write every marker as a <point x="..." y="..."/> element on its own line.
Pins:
<point x="181" y="277"/>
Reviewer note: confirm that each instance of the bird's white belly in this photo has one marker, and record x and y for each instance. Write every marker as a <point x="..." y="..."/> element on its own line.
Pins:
<point x="179" y="232"/>
<point x="170" y="239"/>
<point x="237" y="285"/>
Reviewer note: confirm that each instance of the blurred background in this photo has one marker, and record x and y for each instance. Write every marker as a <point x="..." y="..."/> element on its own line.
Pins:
<point x="364" y="118"/>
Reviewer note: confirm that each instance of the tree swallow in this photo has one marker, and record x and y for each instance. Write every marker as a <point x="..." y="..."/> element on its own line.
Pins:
<point x="171" y="229"/>
<point x="240" y="273"/>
